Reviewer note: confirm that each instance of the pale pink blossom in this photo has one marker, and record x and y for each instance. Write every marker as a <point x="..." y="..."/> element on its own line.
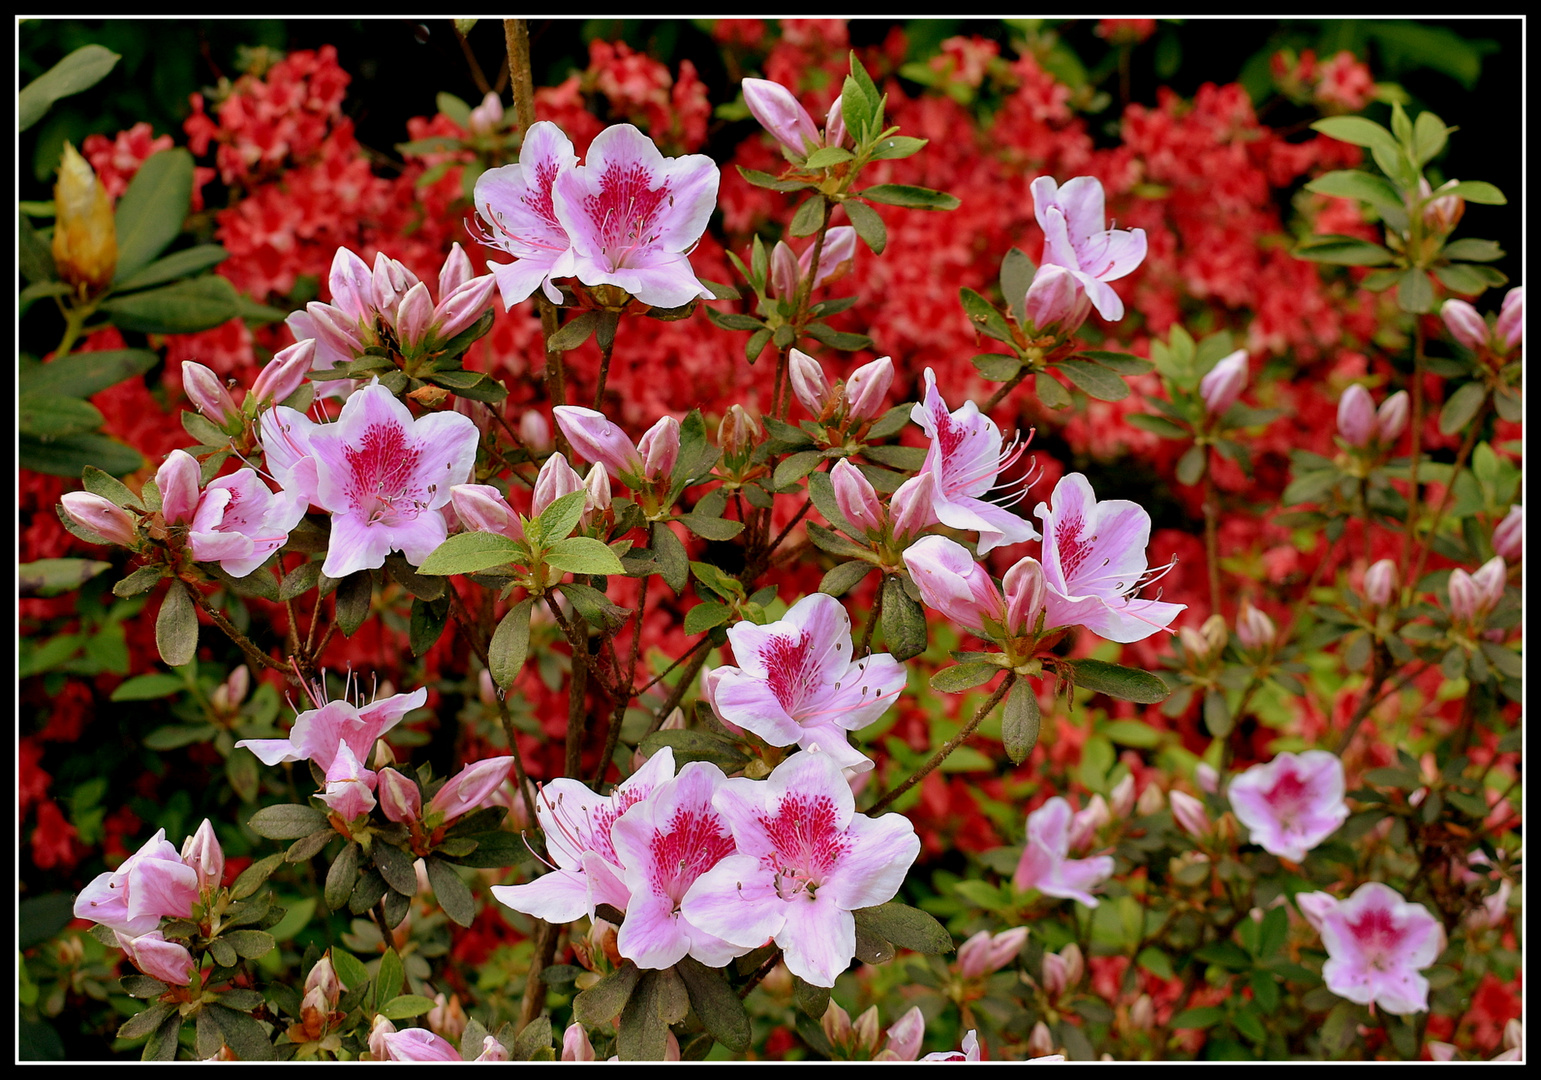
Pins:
<point x="1046" y="864"/>
<point x="178" y="480"/>
<point x="1376" y="944"/>
<point x="1189" y="814"/>
<point x="385" y="478"/>
<point x="486" y="116"/>
<point x="966" y="457"/>
<point x="1356" y="416"/>
<point x="1093" y="563"/>
<point x="317" y="732"/>
<point x="797" y="682"/>
<point x="415" y="1044"/>
<point x="205" y="390"/>
<point x="781" y="114"/>
<point x="105" y="518"/>
<point x="576" y="1045"/>
<point x="556" y="478"/>
<point x="349" y="786"/>
<point x="1509" y="535"/>
<point x="239" y="523"/>
<point x="807" y="860"/>
<point x="1465" y="324"/>
<point x="1072" y="219"/>
<point x="986" y="952"/>
<point x="904" y="1037"/>
<point x="1291" y="804"/>
<point x="152" y="882"/>
<point x="1224" y="383"/>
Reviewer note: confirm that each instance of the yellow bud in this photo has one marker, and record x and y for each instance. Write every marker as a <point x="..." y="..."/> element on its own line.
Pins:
<point x="85" y="238"/>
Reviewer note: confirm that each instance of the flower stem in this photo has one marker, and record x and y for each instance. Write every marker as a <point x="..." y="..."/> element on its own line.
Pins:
<point x="1417" y="443"/>
<point x="608" y="320"/>
<point x="1467" y="445"/>
<point x="1211" y="534"/>
<point x="947" y="748"/>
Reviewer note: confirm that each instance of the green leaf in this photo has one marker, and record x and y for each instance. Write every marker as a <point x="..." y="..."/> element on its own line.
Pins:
<point x="897" y="146"/>
<point x="716" y="1004"/>
<point x="1415" y="294"/>
<point x="243" y="1034"/>
<point x="288" y="821"/>
<point x="184" y="307"/>
<point x="986" y="319"/>
<point x="510" y="644"/>
<point x="1354" y="184"/>
<point x="904" y="926"/>
<point x="843" y="577"/>
<point x="965" y="676"/>
<point x="467" y="553"/>
<point x="1019" y="722"/>
<point x="583" y="555"/>
<point x="150" y="214"/>
<point x="904" y="621"/>
<point x="1356" y="130"/>
<point x="1126" y="363"/>
<point x="794" y="467"/>
<point x="1157" y="425"/>
<point x="1343" y="251"/>
<point x="669" y="555"/>
<point x="1477" y="191"/>
<point x="80" y="375"/>
<point x="837" y="339"/>
<point x="693" y="745"/>
<point x="406" y="1006"/>
<point x="176" y="627"/>
<point x="711" y="528"/>
<point x="558" y="519"/>
<point x="80" y="70"/>
<point x="892" y="422"/>
<point x="869" y="226"/>
<point x="809" y="216"/>
<point x="997" y="367"/>
<point x="69" y="455"/>
<point x="1017" y="272"/>
<point x="148" y="687"/>
<point x="251" y="944"/>
<point x="451" y="891"/>
<point x="1190" y="467"/>
<point x="1095" y="379"/>
<point x="1201" y="1018"/>
<point x="50" y="577"/>
<point x="1429" y="137"/>
<point x="1462" y="407"/>
<point x="732" y="320"/>
<point x="766" y="180"/>
<point x="1473" y="250"/>
<point x="1217" y="714"/>
<point x="48" y="416"/>
<point x="426" y="623"/>
<point x="917" y="198"/>
<point x="600" y="1003"/>
<point x="704" y="616"/>
<point x="1114" y="680"/>
<point x="179" y="264"/>
<point x="253" y="876"/>
<point x="903" y="458"/>
<point x="756" y="344"/>
<point x="142" y="1024"/>
<point x="574" y="332"/>
<point x="354" y="594"/>
<point x="1131" y="733"/>
<point x="1466" y="279"/>
<point x="41" y="917"/>
<point x="826" y="156"/>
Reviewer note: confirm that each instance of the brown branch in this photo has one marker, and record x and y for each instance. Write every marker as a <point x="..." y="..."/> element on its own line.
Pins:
<point x="948" y="747"/>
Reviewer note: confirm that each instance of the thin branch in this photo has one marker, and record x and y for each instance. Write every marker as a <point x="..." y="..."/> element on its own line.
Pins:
<point x="948" y="747"/>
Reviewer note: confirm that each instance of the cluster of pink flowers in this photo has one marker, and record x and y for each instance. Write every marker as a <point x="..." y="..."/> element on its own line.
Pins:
<point x="712" y="867"/>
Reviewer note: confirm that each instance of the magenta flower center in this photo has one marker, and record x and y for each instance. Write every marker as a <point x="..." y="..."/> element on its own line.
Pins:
<point x="589" y="830"/>
<point x="1072" y="549"/>
<point x="1378" y="938"/>
<point x="626" y="210"/>
<point x="382" y="485"/>
<point x="1289" y="798"/>
<point x="807" y="844"/>
<point x="789" y="669"/>
<point x="692" y="843"/>
<point x="950" y="437"/>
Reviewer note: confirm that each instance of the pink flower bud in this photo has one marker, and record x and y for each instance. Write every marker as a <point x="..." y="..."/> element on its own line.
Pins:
<point x="457" y="268"/>
<point x="1464" y="596"/>
<point x="448" y="1019"/>
<point x="336" y="331"/>
<point x="906" y="1034"/>
<point x="1514" y="1035"/>
<point x="951" y="582"/>
<point x="1055" y="303"/>
<point x="865" y="1030"/>
<point x="1441" y="214"/>
<point x="399" y="796"/>
<point x="1254" y="629"/>
<point x="391" y="281"/>
<point x="836" y="1023"/>
<point x="1005" y="946"/>
<point x="808" y="383"/>
<point x="1055" y="976"/>
<point x="461" y="308"/>
<point x="1025" y="596"/>
<point x="780" y="113"/>
<point x="158" y="958"/>
<point x="597" y="439"/>
<point x="1207" y="779"/>
<point x="209" y="394"/>
<point x="379" y="1049"/>
<point x="1380" y="582"/>
<point x="912" y="508"/>
<point x="1194" y="643"/>
<point x="482" y="120"/>
<point x="474" y="411"/>
<point x="866" y="391"/>
<point x="178" y="480"/>
<point x="1075" y="966"/>
<point x="1189" y="814"/>
<point x="470" y="788"/>
<point x="556" y="479"/>
<point x="857" y="498"/>
<point x="482" y="508"/>
<point x="285" y="373"/>
<point x="659" y="448"/>
<point x="597" y="486"/>
<point x="1087" y="822"/>
<point x="835" y="259"/>
<point x="323" y="977"/>
<point x="1314" y="906"/>
<point x="1142" y="1014"/>
<point x="576" y="1045"/>
<point x="1440" y="1051"/>
<point x="1224" y="383"/>
<point x="1391" y="418"/>
<point x="1040" y="1043"/>
<point x="1489" y="581"/>
<point x="834" y="124"/>
<point x="1465" y="324"/>
<point x="108" y="520"/>
<point x="1510" y="328"/>
<point x="1356" y="416"/>
<point x="784" y="271"/>
<point x="492" y="1050"/>
<point x="535" y="432"/>
<point x="202" y="852"/>
<point x="1121" y="798"/>
<point x="737" y="433"/>
<point x="974" y="956"/>
<point x="349" y="786"/>
<point x="228" y="695"/>
<point x="414" y="316"/>
<point x="1509" y="536"/>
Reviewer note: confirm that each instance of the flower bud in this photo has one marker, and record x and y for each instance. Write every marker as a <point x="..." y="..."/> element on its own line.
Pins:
<point x="904" y="1037"/>
<point x="808" y="383"/>
<point x="1026" y="594"/>
<point x="660" y="448"/>
<point x="912" y="508"/>
<point x="447" y="1018"/>
<point x="1509" y="330"/>
<point x="836" y="1023"/>
<point x="784" y="271"/>
<point x="1075" y="966"/>
<point x="336" y="332"/>
<point x="738" y="433"/>
<point x="1189" y="814"/>
<point x="597" y="439"/>
<point x="1489" y="582"/>
<point x="857" y="498"/>
<point x="1356" y="416"/>
<point x="576" y="1045"/>
<point x="469" y="788"/>
<point x="1391" y="418"/>
<point x="1087" y="822"/>
<point x="1254" y="629"/>
<point x="205" y="390"/>
<point x="158" y="958"/>
<point x="1142" y="1014"/>
<point x="390" y="283"/>
<point x="836" y="257"/>
<point x="1441" y="214"/>
<point x="485" y="116"/>
<point x="1121" y="798"/>
<point x="1195" y="644"/>
<point x="492" y="1050"/>
<point x="108" y="520"/>
<point x="1055" y="303"/>
<point x="85" y="243"/>
<point x="866" y="391"/>
<point x="1055" y="975"/>
<point x="413" y="317"/>
<point x="1207" y="779"/>
<point x="202" y="852"/>
<point x="597" y="499"/>
<point x="1380" y="582"/>
<point x="349" y="786"/>
<point x="535" y="432"/>
<point x="865" y="1031"/>
<point x="834" y="123"/>
<point x="1509" y="536"/>
<point x="178" y="480"/>
<point x="285" y="373"/>
<point x="1463" y="596"/>
<point x="482" y="508"/>
<point x="780" y="113"/>
<point x="399" y="796"/>
<point x="1465" y="324"/>
<point x="1150" y="801"/>
<point x="1314" y="906"/>
<point x="457" y="268"/>
<point x="1514" y="1035"/>
<point x="461" y="308"/>
<point x="228" y="695"/>
<point x="1224" y="383"/>
<point x="557" y="478"/>
<point x="1040" y="1043"/>
<point x="323" y="977"/>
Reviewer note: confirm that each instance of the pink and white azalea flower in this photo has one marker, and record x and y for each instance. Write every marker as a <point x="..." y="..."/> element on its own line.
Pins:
<point x="966" y="457"/>
<point x="514" y="204"/>
<point x="239" y="522"/>
<point x="317" y="733"/>
<point x="158" y="958"/>
<point x="969" y="1051"/>
<point x="385" y="477"/>
<point x="807" y="860"/>
<point x="350" y="788"/>
<point x="950" y="581"/>
<point x="664" y="843"/>
<point x="416" y="1044"/>
<point x="602" y="442"/>
<point x="1292" y="803"/>
<point x="152" y="882"/>
<point x="1376" y="945"/>
<point x="1093" y="560"/>
<point x="284" y="435"/>
<point x="1046" y="864"/>
<point x="1072" y="219"/>
<point x="576" y="823"/>
<point x="797" y="683"/>
<point x="632" y="215"/>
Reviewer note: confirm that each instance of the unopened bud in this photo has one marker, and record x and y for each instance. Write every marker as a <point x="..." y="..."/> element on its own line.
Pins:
<point x="738" y="433"/>
<point x="1150" y="801"/>
<point x="809" y="385"/>
<point x="659" y="448"/>
<point x="1509" y="536"/>
<point x="905" y="1036"/>
<point x="784" y="273"/>
<point x="457" y="268"/>
<point x="206" y="391"/>
<point x="1075" y="964"/>
<point x="285" y="373"/>
<point x="85" y="242"/>
<point x="1055" y="976"/>
<point x="1189" y="814"/>
<point x="323" y="977"/>
<point x="556" y="479"/>
<point x="178" y="480"/>
<point x="486" y="116"/>
<point x="834" y="123"/>
<point x="836" y="257"/>
<point x="1441" y="214"/>
<point x="857" y="498"/>
<point x="1121" y="798"/>
<point x="781" y="114"/>
<point x="1254" y="629"/>
<point x="1391" y="417"/>
<point x="390" y="282"/>
<point x="1087" y="822"/>
<point x="399" y="796"/>
<point x="1509" y="331"/>
<point x="379" y="1049"/>
<point x="1026" y="594"/>
<point x="1040" y="1043"/>
<point x="912" y="508"/>
<point x="1055" y="303"/>
<point x="108" y="520"/>
<point x="1465" y="324"/>
<point x="447" y="1018"/>
<point x="202" y="852"/>
<point x="1207" y="779"/>
<point x="1195" y="644"/>
<point x="1380" y="582"/>
<point x="866" y="391"/>
<point x="474" y="411"/>
<point x="836" y="1023"/>
<point x="865" y="1030"/>
<point x="1356" y="416"/>
<point x="1142" y="1014"/>
<point x="413" y="317"/>
<point x="597" y="485"/>
<point x="459" y="311"/>
<point x="1489" y="582"/>
<point x="1224" y="383"/>
<point x="576" y="1045"/>
<point x="535" y="432"/>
